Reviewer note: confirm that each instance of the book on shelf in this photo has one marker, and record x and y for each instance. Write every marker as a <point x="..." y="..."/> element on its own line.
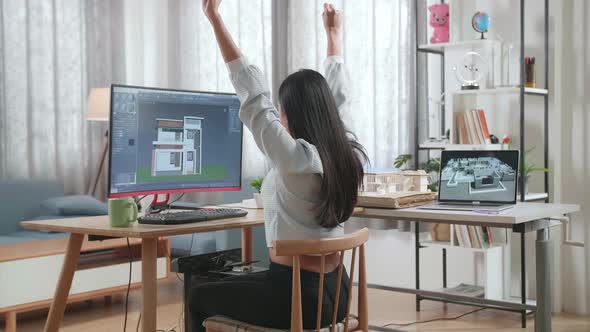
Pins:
<point x="478" y="129"/>
<point x="486" y="236"/>
<point x="477" y="237"/>
<point x="484" y="126"/>
<point x="472" y="127"/>
<point x="463" y="236"/>
<point x="483" y="241"/>
<point x="473" y="237"/>
<point x="473" y="138"/>
<point x="462" y="129"/>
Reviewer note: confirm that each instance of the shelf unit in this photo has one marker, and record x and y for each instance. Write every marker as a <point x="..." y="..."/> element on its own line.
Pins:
<point x="441" y="47"/>
<point x="448" y="245"/>
<point x="425" y="147"/>
<point x="503" y="90"/>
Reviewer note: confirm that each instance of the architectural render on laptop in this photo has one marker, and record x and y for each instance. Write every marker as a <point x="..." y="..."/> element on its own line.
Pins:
<point x="477" y="176"/>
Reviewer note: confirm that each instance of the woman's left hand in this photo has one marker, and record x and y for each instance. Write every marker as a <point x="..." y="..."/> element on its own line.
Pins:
<point x="211" y="8"/>
<point x="332" y="19"/>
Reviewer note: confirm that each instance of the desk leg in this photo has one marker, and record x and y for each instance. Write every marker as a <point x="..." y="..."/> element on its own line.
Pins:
<point x="417" y="248"/>
<point x="247" y="245"/>
<point x="523" y="278"/>
<point x="543" y="271"/>
<point x="58" y="306"/>
<point x="188" y="276"/>
<point x="149" y="255"/>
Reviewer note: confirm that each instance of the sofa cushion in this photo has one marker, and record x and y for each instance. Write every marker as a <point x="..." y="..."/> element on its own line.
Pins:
<point x="7" y="239"/>
<point x="77" y="205"/>
<point x="36" y="235"/>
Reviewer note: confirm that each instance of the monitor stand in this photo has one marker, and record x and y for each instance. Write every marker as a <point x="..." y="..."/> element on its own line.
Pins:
<point x="158" y="206"/>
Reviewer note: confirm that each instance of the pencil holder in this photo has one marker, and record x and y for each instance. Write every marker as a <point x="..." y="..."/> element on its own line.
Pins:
<point x="530" y="75"/>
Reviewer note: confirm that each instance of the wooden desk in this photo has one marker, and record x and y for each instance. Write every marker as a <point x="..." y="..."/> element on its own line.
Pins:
<point x="523" y="218"/>
<point x="79" y="227"/>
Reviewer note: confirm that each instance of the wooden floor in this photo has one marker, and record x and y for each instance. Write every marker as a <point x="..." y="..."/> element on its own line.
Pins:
<point x="384" y="308"/>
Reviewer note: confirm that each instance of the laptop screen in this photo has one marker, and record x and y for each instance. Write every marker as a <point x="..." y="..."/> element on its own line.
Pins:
<point x="478" y="176"/>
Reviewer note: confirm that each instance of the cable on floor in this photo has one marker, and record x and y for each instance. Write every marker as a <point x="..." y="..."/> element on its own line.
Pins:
<point x="435" y="319"/>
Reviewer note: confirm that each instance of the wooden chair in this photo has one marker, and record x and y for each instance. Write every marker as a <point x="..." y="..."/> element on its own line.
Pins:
<point x="322" y="247"/>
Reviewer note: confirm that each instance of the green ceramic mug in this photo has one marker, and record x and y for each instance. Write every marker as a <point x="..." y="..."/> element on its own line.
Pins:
<point x="122" y="211"/>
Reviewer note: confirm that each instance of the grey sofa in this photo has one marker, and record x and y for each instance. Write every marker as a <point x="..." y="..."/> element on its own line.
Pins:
<point x="22" y="200"/>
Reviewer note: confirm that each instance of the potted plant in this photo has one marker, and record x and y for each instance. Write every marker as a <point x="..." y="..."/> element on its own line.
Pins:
<point x="530" y="168"/>
<point x="432" y="167"/>
<point x="257" y="185"/>
<point x="402" y="160"/>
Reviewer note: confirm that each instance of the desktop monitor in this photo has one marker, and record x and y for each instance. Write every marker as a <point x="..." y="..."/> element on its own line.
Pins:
<point x="478" y="176"/>
<point x="171" y="141"/>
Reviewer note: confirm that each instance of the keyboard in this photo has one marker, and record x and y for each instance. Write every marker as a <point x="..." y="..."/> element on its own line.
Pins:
<point x="186" y="217"/>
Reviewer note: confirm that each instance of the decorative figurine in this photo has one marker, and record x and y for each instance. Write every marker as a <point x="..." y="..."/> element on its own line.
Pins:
<point x="481" y="22"/>
<point x="494" y="139"/>
<point x="471" y="71"/>
<point x="506" y="142"/>
<point x="439" y="21"/>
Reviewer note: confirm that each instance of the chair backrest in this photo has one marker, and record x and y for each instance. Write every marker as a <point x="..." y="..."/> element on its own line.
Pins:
<point x="323" y="247"/>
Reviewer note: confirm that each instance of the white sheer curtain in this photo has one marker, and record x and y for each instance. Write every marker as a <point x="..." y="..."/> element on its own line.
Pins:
<point x="51" y="53"/>
<point x="171" y="44"/>
<point x="570" y="151"/>
<point x="379" y="50"/>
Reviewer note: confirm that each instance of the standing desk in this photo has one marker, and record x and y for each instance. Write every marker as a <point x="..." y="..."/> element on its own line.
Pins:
<point x="149" y="234"/>
<point x="522" y="218"/>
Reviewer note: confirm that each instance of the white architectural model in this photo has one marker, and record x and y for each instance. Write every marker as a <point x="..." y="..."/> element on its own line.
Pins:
<point x="391" y="181"/>
<point x="177" y="150"/>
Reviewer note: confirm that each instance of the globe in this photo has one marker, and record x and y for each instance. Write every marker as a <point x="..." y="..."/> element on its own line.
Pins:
<point x="481" y="22"/>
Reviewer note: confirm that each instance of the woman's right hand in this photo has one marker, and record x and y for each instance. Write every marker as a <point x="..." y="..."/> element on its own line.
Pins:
<point x="333" y="25"/>
<point x="211" y="8"/>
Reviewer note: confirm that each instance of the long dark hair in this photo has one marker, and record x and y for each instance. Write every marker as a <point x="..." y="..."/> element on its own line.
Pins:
<point x="310" y="108"/>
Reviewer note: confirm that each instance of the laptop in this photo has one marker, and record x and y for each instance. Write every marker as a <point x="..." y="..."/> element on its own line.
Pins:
<point x="477" y="181"/>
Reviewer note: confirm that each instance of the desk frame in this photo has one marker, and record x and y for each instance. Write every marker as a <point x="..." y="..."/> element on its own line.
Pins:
<point x="541" y="226"/>
<point x="543" y="248"/>
<point x="78" y="228"/>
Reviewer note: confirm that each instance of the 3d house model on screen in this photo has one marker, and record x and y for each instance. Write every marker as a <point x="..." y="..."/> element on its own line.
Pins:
<point x="177" y="150"/>
<point x="467" y="178"/>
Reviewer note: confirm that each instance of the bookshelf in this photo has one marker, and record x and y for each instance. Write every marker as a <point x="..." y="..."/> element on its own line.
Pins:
<point x="450" y="245"/>
<point x="449" y="146"/>
<point x="441" y="47"/>
<point x="503" y="90"/>
<point x="456" y="100"/>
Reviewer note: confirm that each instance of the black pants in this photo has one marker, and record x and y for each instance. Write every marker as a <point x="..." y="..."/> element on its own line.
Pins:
<point x="265" y="298"/>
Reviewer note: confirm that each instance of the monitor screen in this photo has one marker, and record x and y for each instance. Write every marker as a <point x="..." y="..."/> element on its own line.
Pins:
<point x="166" y="141"/>
<point x="478" y="176"/>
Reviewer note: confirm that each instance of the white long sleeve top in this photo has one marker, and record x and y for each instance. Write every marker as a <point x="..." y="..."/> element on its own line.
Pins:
<point x="291" y="189"/>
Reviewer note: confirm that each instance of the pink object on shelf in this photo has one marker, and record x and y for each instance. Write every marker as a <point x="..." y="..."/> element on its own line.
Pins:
<point x="439" y="20"/>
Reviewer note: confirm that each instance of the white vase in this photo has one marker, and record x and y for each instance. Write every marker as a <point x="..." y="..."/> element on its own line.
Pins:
<point x="258" y="200"/>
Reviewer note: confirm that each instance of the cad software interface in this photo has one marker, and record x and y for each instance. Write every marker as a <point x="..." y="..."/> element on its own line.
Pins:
<point x="478" y="176"/>
<point x="173" y="140"/>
